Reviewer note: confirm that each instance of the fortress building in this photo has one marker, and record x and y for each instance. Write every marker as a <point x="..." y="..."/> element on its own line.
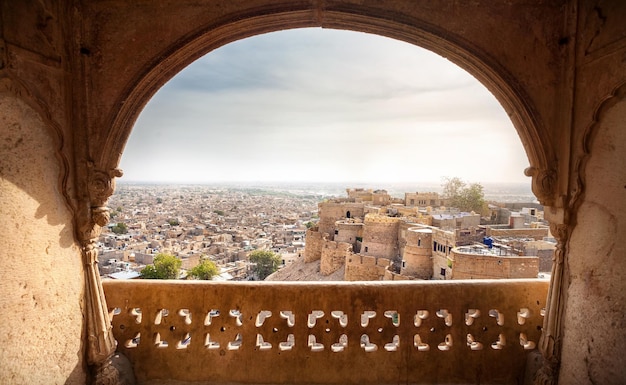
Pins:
<point x="379" y="240"/>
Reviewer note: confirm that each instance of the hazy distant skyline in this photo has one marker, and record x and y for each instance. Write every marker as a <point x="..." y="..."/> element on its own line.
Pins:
<point x="320" y="105"/>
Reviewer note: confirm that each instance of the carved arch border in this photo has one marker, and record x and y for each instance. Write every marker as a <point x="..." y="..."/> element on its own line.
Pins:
<point x="617" y="94"/>
<point x="463" y="53"/>
<point x="552" y="333"/>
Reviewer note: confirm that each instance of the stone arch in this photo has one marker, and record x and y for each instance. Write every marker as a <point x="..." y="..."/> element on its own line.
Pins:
<point x="478" y="63"/>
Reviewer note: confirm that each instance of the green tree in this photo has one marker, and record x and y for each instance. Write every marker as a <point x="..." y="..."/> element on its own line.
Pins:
<point x="205" y="270"/>
<point x="309" y="224"/>
<point x="463" y="196"/>
<point x="165" y="266"/>
<point x="120" y="228"/>
<point x="266" y="262"/>
<point x="173" y="222"/>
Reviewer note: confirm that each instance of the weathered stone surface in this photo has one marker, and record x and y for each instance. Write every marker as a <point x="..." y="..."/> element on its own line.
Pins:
<point x="318" y="316"/>
<point x="41" y="280"/>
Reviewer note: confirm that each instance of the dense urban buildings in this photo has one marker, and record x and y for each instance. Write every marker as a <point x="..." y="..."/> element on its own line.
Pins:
<point x="369" y="235"/>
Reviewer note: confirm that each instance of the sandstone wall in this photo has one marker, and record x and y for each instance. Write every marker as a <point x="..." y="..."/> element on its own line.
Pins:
<point x="331" y="212"/>
<point x="334" y="256"/>
<point x="380" y="236"/>
<point x="443" y="242"/>
<point x="349" y="232"/>
<point x="313" y="245"/>
<point x="41" y="280"/>
<point x="472" y="266"/>
<point x="380" y="198"/>
<point x="365" y="268"/>
<point x="417" y="257"/>
<point x="535" y="233"/>
<point x="423" y="199"/>
<point x="391" y="276"/>
<point x="593" y="326"/>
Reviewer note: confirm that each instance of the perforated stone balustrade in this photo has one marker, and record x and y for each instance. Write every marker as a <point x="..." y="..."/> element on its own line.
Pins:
<point x="327" y="333"/>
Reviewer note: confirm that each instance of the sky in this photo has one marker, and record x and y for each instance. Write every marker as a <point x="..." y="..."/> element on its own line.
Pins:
<point x="320" y="105"/>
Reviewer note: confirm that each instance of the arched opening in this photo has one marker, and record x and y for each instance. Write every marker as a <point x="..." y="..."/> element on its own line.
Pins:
<point x="510" y="95"/>
<point x="257" y="127"/>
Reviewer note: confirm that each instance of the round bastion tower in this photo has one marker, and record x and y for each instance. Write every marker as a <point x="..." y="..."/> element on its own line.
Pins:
<point x="417" y="258"/>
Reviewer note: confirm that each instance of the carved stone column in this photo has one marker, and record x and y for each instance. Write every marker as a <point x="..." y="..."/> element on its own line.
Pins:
<point x="544" y="184"/>
<point x="92" y="216"/>
<point x="550" y="342"/>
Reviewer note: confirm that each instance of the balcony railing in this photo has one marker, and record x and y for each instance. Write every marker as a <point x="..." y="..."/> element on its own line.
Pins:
<point x="327" y="333"/>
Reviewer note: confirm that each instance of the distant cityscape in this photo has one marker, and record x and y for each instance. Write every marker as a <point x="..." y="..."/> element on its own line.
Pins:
<point x="326" y="231"/>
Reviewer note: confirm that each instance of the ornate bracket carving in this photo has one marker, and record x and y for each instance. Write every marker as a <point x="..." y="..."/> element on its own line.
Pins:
<point x="543" y="184"/>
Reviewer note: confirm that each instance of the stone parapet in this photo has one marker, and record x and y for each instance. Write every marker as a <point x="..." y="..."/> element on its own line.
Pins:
<point x="361" y="267"/>
<point x="535" y="233"/>
<point x="303" y="333"/>
<point x="485" y="266"/>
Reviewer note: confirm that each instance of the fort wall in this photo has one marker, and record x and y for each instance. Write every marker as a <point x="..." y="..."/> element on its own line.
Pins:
<point x="391" y="276"/>
<point x="365" y="268"/>
<point x="331" y="212"/>
<point x="417" y="256"/>
<point x="351" y="232"/>
<point x="380" y="198"/>
<point x="424" y="199"/>
<point x="360" y="194"/>
<point x="443" y="242"/>
<point x="380" y="236"/>
<point x="535" y="233"/>
<point x="313" y="245"/>
<point x="334" y="255"/>
<point x="476" y="266"/>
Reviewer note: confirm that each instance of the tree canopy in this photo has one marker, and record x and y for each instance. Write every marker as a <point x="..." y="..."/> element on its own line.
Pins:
<point x="466" y="197"/>
<point x="266" y="261"/>
<point x="205" y="270"/>
<point x="120" y="228"/>
<point x="165" y="266"/>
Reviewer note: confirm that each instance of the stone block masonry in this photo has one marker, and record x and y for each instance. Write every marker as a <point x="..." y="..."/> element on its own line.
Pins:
<point x="334" y="255"/>
<point x="365" y="268"/>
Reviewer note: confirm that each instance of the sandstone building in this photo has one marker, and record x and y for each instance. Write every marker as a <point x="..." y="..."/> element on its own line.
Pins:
<point x="74" y="76"/>
<point x="376" y="240"/>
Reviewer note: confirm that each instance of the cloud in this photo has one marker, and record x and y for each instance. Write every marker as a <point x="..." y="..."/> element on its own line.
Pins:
<point x="322" y="105"/>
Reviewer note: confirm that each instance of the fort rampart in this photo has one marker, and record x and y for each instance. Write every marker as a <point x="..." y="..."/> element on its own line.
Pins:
<point x="535" y="233"/>
<point x="313" y="246"/>
<point x="477" y="266"/>
<point x="380" y="236"/>
<point x="417" y="256"/>
<point x="334" y="255"/>
<point x="365" y="268"/>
